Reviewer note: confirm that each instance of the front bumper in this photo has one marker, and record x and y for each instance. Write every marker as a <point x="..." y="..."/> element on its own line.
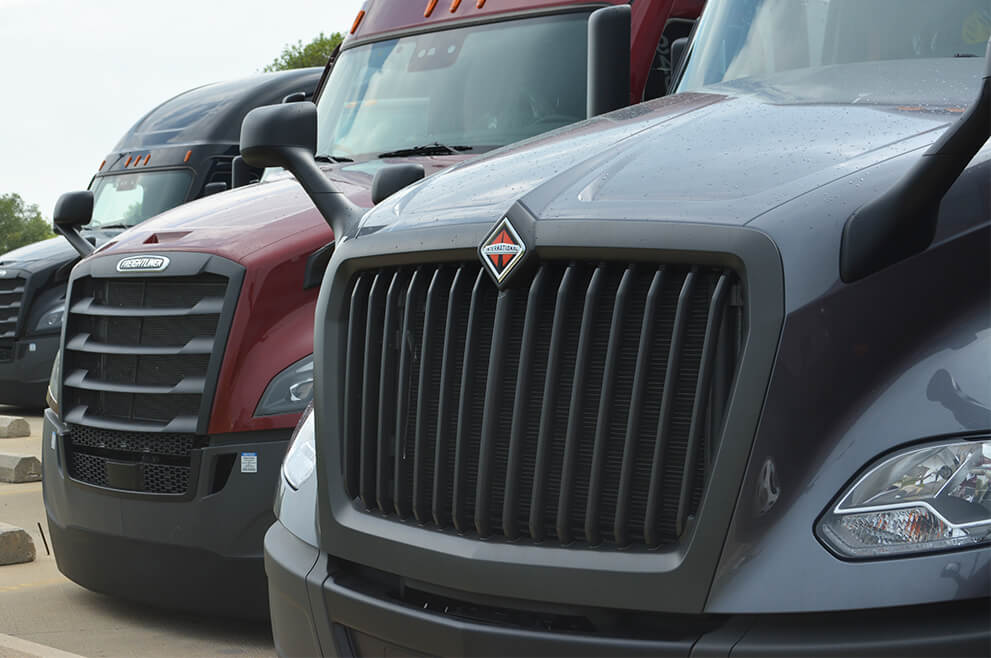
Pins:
<point x="24" y="379"/>
<point x="322" y="606"/>
<point x="203" y="553"/>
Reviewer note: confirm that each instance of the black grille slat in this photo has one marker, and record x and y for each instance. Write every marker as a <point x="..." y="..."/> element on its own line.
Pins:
<point x="701" y="398"/>
<point x="521" y="402"/>
<point x="368" y="459"/>
<point x="651" y="535"/>
<point x="570" y="409"/>
<point x="447" y="404"/>
<point x="357" y="317"/>
<point x="606" y="403"/>
<point x="633" y="427"/>
<point x="138" y="350"/>
<point x="431" y="360"/>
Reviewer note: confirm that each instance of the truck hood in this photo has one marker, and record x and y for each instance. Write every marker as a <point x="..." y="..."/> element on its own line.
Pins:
<point x="241" y="223"/>
<point x="725" y="157"/>
<point x="41" y="255"/>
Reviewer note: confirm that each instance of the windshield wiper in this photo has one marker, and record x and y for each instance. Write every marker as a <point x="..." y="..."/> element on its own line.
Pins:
<point x="101" y="227"/>
<point x="427" y="149"/>
<point x="331" y="158"/>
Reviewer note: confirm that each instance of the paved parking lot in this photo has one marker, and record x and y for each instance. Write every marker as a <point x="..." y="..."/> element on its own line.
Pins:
<point x="44" y="614"/>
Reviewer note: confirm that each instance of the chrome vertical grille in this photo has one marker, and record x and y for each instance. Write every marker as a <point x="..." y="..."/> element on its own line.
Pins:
<point x="581" y="408"/>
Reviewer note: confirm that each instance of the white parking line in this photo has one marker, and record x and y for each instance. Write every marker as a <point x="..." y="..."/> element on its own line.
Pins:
<point x="32" y="649"/>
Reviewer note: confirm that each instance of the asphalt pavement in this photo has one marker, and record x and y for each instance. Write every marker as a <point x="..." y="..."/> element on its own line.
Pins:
<point x="42" y="613"/>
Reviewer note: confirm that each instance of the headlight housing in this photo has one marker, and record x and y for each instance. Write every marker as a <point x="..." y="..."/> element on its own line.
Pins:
<point x="918" y="500"/>
<point x="301" y="458"/>
<point x="53" y="383"/>
<point x="289" y="391"/>
<point x="50" y="321"/>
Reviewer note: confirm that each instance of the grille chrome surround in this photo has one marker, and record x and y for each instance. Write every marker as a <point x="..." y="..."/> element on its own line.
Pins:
<point x="590" y="415"/>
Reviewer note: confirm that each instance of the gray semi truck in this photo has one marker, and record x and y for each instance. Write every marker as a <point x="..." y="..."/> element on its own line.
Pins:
<point x="705" y="376"/>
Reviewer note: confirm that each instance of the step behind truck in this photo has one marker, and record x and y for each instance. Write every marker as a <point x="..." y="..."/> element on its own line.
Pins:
<point x="187" y="350"/>
<point x="179" y="151"/>
<point x="706" y="376"/>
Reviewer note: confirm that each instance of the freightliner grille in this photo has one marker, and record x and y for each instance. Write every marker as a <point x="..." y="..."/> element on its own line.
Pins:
<point x="582" y="408"/>
<point x="11" y="297"/>
<point x="135" y="373"/>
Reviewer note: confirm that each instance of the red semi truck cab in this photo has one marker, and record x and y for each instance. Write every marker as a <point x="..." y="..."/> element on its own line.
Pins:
<point x="187" y="347"/>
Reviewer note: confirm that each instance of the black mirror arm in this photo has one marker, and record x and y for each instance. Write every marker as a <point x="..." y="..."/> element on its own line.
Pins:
<point x="76" y="239"/>
<point x="337" y="210"/>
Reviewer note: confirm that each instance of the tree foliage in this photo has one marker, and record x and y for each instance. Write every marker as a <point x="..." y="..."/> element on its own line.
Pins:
<point x="298" y="55"/>
<point x="20" y="224"/>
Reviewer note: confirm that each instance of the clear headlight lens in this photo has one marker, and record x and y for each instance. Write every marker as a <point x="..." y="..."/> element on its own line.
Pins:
<point x="301" y="457"/>
<point x="51" y="321"/>
<point x="289" y="391"/>
<point x="918" y="500"/>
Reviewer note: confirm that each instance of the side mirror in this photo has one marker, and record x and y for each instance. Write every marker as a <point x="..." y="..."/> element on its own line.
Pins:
<point x="298" y="97"/>
<point x="609" y="59"/>
<point x="241" y="173"/>
<point x="72" y="210"/>
<point x="286" y="136"/>
<point x="213" y="188"/>
<point x="393" y="178"/>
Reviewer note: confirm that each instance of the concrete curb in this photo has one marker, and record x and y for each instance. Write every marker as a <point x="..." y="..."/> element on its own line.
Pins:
<point x="14" y="427"/>
<point x="19" y="468"/>
<point x="16" y="546"/>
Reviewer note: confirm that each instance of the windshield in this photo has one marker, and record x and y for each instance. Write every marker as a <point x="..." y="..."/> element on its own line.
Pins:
<point x="477" y="87"/>
<point x="760" y="39"/>
<point x="127" y="199"/>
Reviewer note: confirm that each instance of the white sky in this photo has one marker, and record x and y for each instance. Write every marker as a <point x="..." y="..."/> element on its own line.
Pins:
<point x="76" y="74"/>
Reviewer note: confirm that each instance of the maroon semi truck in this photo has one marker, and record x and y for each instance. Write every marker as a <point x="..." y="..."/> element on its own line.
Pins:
<point x="187" y="348"/>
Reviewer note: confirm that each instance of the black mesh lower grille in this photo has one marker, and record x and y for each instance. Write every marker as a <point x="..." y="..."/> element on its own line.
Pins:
<point x="134" y="461"/>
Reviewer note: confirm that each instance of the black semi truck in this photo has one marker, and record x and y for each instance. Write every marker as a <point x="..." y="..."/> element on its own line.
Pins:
<point x="179" y="151"/>
<point x="706" y="376"/>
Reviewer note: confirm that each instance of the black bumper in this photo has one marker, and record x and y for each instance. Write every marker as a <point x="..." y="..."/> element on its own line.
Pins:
<point x="320" y="606"/>
<point x="200" y="554"/>
<point x="24" y="379"/>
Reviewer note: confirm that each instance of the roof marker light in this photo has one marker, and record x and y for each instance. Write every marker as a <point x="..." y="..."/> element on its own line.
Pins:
<point x="102" y="164"/>
<point x="480" y="4"/>
<point x="455" y="5"/>
<point x="189" y="154"/>
<point x="147" y="159"/>
<point x="357" y="21"/>
<point x="430" y="8"/>
<point x="128" y="163"/>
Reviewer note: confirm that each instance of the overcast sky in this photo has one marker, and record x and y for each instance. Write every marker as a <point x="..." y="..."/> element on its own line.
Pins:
<point x="75" y="75"/>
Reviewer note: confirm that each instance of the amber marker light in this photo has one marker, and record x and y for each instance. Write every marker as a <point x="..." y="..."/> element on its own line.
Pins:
<point x="147" y="159"/>
<point x="128" y="163"/>
<point x="480" y="4"/>
<point x="455" y="5"/>
<point x="189" y="154"/>
<point x="102" y="164"/>
<point x="357" y="21"/>
<point x="430" y="8"/>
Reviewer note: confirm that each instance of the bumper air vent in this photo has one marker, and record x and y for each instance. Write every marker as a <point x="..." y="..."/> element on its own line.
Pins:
<point x="582" y="408"/>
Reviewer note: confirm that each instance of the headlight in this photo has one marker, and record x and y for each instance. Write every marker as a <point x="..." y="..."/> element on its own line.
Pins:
<point x="918" y="500"/>
<point x="290" y="391"/>
<point x="51" y="320"/>
<point x="301" y="456"/>
<point x="53" y="382"/>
